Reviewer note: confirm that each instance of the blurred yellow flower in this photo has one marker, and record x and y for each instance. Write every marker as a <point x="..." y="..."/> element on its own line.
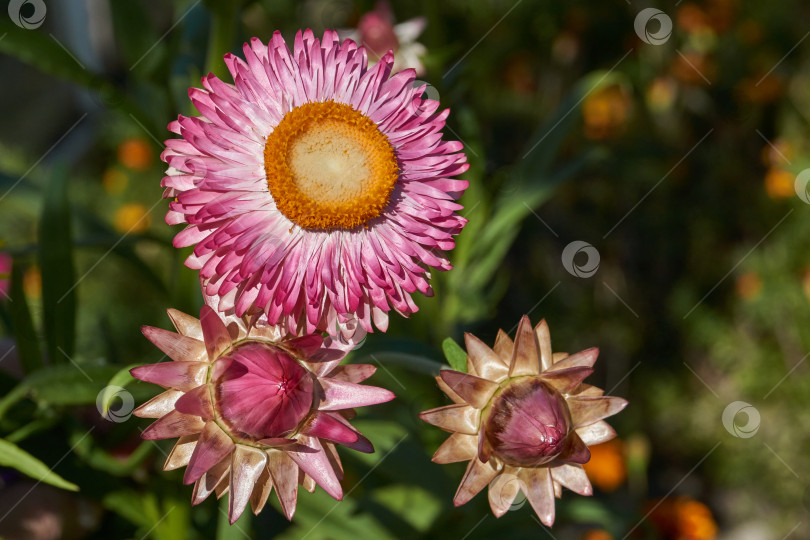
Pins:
<point x="748" y="285"/>
<point x="135" y="154"/>
<point x="606" y="468"/>
<point x="115" y="181"/>
<point x="605" y="112"/>
<point x="684" y="518"/>
<point x="132" y="218"/>
<point x="661" y="94"/>
<point x="779" y="183"/>
<point x="32" y="282"/>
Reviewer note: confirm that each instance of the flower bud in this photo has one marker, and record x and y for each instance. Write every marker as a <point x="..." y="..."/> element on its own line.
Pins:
<point x="377" y="33"/>
<point x="261" y="391"/>
<point x="528" y="423"/>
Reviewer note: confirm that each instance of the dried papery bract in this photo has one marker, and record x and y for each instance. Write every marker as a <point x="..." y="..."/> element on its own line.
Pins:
<point x="523" y="418"/>
<point x="254" y="409"/>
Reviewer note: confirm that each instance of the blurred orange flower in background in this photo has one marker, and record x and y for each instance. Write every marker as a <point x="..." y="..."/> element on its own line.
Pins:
<point x="132" y="218"/>
<point x="597" y="534"/>
<point x="607" y="468"/>
<point x="759" y="89"/>
<point x="693" y="68"/>
<point x="778" y="151"/>
<point x="136" y="154"/>
<point x="32" y="282"/>
<point x="691" y="18"/>
<point x="605" y="112"/>
<point x="779" y="183"/>
<point x="683" y="518"/>
<point x="748" y="285"/>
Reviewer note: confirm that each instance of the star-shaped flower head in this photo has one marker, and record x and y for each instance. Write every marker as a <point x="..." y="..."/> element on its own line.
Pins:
<point x="523" y="418"/>
<point x="254" y="410"/>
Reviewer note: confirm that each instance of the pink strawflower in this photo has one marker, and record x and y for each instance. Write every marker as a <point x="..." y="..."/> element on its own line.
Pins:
<point x="523" y="418"/>
<point x="315" y="189"/>
<point x="254" y="410"/>
<point x="377" y="32"/>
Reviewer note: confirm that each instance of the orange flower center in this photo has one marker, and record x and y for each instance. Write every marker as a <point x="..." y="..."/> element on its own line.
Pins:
<point x="329" y="166"/>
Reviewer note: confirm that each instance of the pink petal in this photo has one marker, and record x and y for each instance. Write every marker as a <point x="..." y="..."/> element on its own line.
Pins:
<point x="345" y="395"/>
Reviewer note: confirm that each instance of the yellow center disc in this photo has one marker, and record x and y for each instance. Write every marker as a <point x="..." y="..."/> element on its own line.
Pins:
<point x="329" y="166"/>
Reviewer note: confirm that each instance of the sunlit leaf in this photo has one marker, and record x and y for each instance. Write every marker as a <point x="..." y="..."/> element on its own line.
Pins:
<point x="455" y="355"/>
<point x="15" y="457"/>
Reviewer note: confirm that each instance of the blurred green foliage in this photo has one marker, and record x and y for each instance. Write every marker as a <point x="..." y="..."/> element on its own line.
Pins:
<point x="675" y="161"/>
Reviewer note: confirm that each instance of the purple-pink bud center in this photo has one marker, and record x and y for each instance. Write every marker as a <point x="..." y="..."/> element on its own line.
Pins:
<point x="262" y="391"/>
<point x="528" y="423"/>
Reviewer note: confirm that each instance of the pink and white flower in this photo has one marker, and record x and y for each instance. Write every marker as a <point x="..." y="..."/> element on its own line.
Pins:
<point x="377" y="32"/>
<point x="315" y="189"/>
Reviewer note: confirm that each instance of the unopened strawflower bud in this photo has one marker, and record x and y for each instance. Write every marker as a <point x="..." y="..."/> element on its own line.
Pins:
<point x="255" y="410"/>
<point x="528" y="424"/>
<point x="522" y="412"/>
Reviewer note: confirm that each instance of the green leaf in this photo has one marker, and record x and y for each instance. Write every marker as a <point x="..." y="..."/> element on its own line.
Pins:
<point x="241" y="527"/>
<point x="43" y="52"/>
<point x="56" y="264"/>
<point x="223" y="31"/>
<point x="129" y="505"/>
<point x="15" y="457"/>
<point x="456" y="356"/>
<point x="413" y="504"/>
<point x="40" y="50"/>
<point x="104" y="238"/>
<point x="25" y="336"/>
<point x="99" y="459"/>
<point x="319" y="517"/>
<point x="64" y="384"/>
<point x="136" y="38"/>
